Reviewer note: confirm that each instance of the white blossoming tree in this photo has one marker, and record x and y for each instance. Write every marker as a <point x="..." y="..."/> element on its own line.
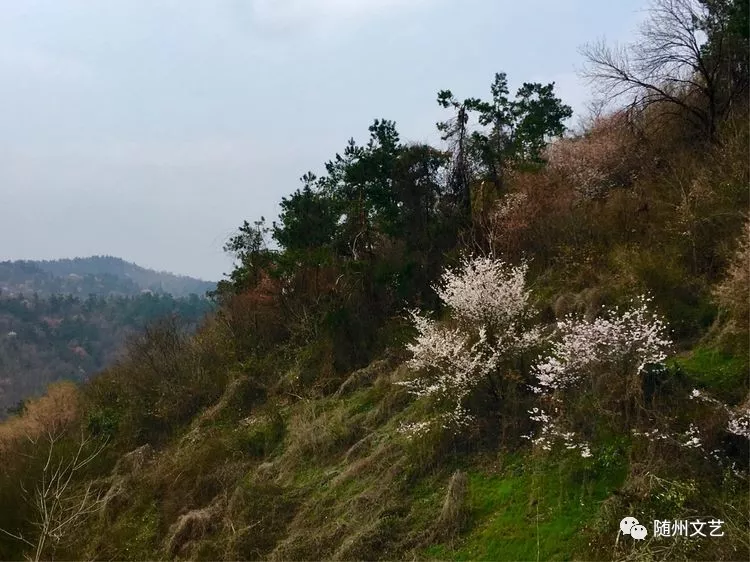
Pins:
<point x="591" y="369"/>
<point x="489" y="306"/>
<point x="620" y="343"/>
<point x="597" y="364"/>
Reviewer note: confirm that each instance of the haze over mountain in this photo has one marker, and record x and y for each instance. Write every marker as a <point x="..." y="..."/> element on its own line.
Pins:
<point x="114" y="111"/>
<point x="98" y="275"/>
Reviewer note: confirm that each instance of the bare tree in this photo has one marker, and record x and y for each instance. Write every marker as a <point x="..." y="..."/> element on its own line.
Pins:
<point x="690" y="54"/>
<point x="59" y="505"/>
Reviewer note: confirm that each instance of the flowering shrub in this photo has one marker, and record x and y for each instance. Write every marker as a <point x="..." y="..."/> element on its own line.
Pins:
<point x="485" y="292"/>
<point x="489" y="305"/>
<point x="616" y="346"/>
<point x="629" y="341"/>
<point x="590" y="363"/>
<point x="450" y="365"/>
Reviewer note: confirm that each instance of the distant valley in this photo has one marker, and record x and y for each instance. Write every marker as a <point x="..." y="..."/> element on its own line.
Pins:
<point x="68" y="319"/>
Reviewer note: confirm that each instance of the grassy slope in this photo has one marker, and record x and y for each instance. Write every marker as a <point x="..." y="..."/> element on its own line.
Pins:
<point x="332" y="478"/>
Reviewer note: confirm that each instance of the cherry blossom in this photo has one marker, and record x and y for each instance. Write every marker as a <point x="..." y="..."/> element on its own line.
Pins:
<point x="632" y="340"/>
<point x="489" y="306"/>
<point x="550" y="432"/>
<point x="486" y="291"/>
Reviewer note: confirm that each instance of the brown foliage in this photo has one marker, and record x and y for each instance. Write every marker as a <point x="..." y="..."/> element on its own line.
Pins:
<point x="606" y="156"/>
<point x="733" y="294"/>
<point x="528" y="219"/>
<point x="53" y="413"/>
<point x="254" y="316"/>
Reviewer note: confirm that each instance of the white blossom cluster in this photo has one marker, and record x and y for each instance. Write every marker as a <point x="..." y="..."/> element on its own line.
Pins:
<point x="652" y="435"/>
<point x="450" y="363"/>
<point x="549" y="433"/>
<point x="490" y="309"/>
<point x="739" y="419"/>
<point x="703" y="397"/>
<point x="633" y="339"/>
<point x="630" y="341"/>
<point x="488" y="301"/>
<point x="415" y="429"/>
<point x="739" y="424"/>
<point x="486" y="292"/>
<point x="692" y="438"/>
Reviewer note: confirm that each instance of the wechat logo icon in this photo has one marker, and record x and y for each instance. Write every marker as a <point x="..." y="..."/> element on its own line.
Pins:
<point x="630" y="526"/>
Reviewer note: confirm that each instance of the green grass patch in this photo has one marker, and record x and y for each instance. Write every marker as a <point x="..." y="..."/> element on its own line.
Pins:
<point x="531" y="511"/>
<point x="721" y="373"/>
<point x="133" y="535"/>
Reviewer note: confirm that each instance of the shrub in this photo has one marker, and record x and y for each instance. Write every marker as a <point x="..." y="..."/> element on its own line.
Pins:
<point x="597" y="368"/>
<point x="490" y="308"/>
<point x="254" y="316"/>
<point x="53" y="413"/>
<point x="605" y="157"/>
<point x="164" y="380"/>
<point x="624" y="343"/>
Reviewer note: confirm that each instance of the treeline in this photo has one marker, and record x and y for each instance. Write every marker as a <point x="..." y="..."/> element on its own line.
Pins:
<point x="367" y="238"/>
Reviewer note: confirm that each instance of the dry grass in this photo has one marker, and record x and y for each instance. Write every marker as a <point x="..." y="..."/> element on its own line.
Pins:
<point x="454" y="514"/>
<point x="128" y="467"/>
<point x="315" y="434"/>
<point x="733" y="294"/>
<point x="193" y="526"/>
<point x="52" y="413"/>
<point x="363" y="377"/>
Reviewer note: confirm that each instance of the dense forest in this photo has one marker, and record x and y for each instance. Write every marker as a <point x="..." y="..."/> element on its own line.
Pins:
<point x="526" y="343"/>
<point x="43" y="340"/>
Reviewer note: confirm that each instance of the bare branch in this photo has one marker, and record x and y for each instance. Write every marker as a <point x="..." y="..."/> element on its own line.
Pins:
<point x="669" y="63"/>
<point x="59" y="508"/>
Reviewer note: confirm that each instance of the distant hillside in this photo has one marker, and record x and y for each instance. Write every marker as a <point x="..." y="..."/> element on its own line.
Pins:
<point x="27" y="278"/>
<point x="43" y="340"/>
<point x="98" y="275"/>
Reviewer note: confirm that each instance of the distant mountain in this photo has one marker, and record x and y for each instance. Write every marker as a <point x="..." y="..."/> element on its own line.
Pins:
<point x="98" y="275"/>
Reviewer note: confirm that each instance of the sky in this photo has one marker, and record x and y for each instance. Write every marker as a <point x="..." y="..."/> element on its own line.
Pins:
<point x="150" y="129"/>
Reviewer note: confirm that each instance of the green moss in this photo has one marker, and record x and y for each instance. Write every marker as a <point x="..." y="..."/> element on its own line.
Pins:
<point x="134" y="535"/>
<point x="261" y="438"/>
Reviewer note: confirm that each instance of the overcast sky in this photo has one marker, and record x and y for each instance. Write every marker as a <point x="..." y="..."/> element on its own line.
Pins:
<point x="150" y="129"/>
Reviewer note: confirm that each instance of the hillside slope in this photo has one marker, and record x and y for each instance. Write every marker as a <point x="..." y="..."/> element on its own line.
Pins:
<point x="241" y="443"/>
<point x="505" y="348"/>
